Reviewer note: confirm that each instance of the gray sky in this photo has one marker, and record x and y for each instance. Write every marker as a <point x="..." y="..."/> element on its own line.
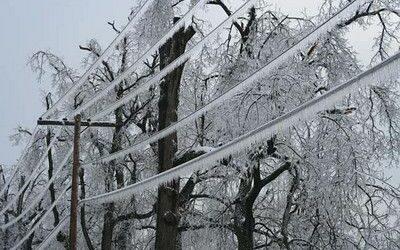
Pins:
<point x="60" y="26"/>
<point x="55" y="25"/>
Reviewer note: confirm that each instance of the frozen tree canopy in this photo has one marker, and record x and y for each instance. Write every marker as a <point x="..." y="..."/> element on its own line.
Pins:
<point x="235" y="126"/>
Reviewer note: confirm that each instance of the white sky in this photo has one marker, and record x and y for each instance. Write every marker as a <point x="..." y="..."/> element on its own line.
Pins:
<point x="60" y="26"/>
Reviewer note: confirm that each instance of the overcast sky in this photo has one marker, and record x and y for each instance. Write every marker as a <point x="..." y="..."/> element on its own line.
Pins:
<point x="60" y="26"/>
<point x="56" y="25"/>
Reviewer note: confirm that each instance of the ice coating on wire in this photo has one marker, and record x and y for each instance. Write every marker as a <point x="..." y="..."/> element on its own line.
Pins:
<point x="275" y="63"/>
<point x="328" y="25"/>
<point x="99" y="60"/>
<point x="385" y="70"/>
<point x="325" y="27"/>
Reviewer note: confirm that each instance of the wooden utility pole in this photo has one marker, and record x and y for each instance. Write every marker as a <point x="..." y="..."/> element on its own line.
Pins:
<point x="77" y="123"/>
<point x="73" y="222"/>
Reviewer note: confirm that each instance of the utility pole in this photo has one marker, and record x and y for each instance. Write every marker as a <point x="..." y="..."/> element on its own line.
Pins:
<point x="73" y="222"/>
<point x="77" y="123"/>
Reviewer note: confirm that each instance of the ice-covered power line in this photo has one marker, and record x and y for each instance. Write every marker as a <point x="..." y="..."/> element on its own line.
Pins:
<point x="386" y="70"/>
<point x="312" y="37"/>
<point x="324" y="28"/>
<point x="100" y="59"/>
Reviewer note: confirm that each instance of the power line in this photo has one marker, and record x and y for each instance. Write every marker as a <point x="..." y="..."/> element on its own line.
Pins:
<point x="314" y="35"/>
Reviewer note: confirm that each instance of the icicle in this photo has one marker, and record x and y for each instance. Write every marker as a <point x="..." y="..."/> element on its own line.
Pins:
<point x="301" y="113"/>
<point x="270" y="67"/>
<point x="35" y="172"/>
<point x="47" y="213"/>
<point x="40" y="196"/>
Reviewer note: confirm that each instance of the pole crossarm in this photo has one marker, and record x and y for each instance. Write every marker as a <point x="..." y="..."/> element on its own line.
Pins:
<point x="65" y="122"/>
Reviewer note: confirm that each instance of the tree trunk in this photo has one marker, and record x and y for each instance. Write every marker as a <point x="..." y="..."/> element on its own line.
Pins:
<point x="167" y="234"/>
<point x="83" y="211"/>
<point x="109" y="223"/>
<point x="108" y="227"/>
<point x="52" y="190"/>
<point x="244" y="220"/>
